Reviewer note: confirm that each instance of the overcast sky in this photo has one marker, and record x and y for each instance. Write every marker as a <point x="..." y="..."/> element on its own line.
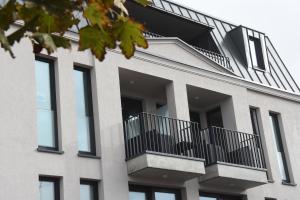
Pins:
<point x="279" y="19"/>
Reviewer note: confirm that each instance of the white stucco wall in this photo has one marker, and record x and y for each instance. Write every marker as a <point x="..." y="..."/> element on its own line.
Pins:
<point x="21" y="164"/>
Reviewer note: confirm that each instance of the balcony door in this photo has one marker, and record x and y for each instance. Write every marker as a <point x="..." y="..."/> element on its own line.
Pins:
<point x="214" y="118"/>
<point x="131" y="107"/>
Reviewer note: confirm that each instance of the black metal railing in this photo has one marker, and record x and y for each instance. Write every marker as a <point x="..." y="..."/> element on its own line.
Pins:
<point x="152" y="133"/>
<point x="233" y="147"/>
<point x="218" y="58"/>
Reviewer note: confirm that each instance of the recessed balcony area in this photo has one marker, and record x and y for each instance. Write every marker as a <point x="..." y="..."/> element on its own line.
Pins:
<point x="233" y="160"/>
<point x="157" y="146"/>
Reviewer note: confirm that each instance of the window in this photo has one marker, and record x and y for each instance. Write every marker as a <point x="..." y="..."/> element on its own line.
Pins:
<point x="255" y="124"/>
<point x="282" y="163"/>
<point x="150" y="193"/>
<point x="49" y="188"/>
<point x="256" y="53"/>
<point x="46" y="104"/>
<point x="84" y="111"/>
<point x="88" y="190"/>
<point x="206" y="196"/>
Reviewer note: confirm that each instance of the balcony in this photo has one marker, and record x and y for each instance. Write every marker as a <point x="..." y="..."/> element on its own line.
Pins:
<point x="161" y="147"/>
<point x="234" y="160"/>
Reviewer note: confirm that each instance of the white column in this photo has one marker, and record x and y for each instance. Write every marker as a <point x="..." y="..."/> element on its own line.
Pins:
<point x="114" y="185"/>
<point x="177" y="100"/>
<point x="178" y="106"/>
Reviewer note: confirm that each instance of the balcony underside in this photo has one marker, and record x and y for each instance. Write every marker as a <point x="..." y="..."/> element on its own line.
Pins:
<point x="165" y="167"/>
<point x="228" y="176"/>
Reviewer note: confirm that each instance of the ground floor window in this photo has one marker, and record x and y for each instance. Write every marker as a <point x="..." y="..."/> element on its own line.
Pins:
<point x="152" y="193"/>
<point x="207" y="196"/>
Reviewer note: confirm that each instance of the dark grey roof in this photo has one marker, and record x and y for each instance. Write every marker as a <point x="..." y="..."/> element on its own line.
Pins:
<point x="276" y="76"/>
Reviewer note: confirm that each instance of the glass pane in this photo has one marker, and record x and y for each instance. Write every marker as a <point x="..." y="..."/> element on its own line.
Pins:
<point x="47" y="190"/>
<point x="45" y="113"/>
<point x="282" y="164"/>
<point x="43" y="85"/>
<point x="83" y="133"/>
<point x="45" y="127"/>
<point x="253" y="53"/>
<point x="164" y="196"/>
<point x="137" y="196"/>
<point x="86" y="192"/>
<point x="84" y="120"/>
<point x="207" y="198"/>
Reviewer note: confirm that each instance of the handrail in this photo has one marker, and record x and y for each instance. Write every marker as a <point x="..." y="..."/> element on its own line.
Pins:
<point x="146" y="132"/>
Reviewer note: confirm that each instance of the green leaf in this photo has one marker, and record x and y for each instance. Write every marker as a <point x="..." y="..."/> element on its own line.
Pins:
<point x="5" y="44"/>
<point x="96" y="14"/>
<point x="96" y="39"/>
<point x="130" y="34"/>
<point x="7" y="15"/>
<point x="60" y="41"/>
<point x="143" y="2"/>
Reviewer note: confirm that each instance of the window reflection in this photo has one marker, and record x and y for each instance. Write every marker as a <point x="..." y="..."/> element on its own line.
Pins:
<point x="137" y="196"/>
<point x="86" y="192"/>
<point x="45" y="98"/>
<point x="84" y="110"/>
<point x="164" y="196"/>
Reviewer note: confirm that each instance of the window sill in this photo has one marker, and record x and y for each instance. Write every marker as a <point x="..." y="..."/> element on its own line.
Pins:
<point x="259" y="69"/>
<point x="88" y="156"/>
<point x="289" y="184"/>
<point x="39" y="149"/>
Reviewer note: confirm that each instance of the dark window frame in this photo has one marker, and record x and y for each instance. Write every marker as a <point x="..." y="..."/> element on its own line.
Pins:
<point x="150" y="191"/>
<point x="278" y="136"/>
<point x="53" y="94"/>
<point x="221" y="196"/>
<point x="258" y="53"/>
<point x="56" y="182"/>
<point x="94" y="185"/>
<point x="89" y="107"/>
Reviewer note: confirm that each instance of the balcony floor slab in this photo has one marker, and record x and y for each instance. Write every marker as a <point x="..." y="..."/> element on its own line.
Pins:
<point x="165" y="167"/>
<point x="232" y="177"/>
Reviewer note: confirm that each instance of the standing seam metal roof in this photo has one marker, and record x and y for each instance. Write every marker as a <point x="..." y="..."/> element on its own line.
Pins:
<point x="278" y="75"/>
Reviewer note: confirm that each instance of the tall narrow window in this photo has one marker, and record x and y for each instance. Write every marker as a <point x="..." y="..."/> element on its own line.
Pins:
<point x="255" y="124"/>
<point x="256" y="53"/>
<point x="49" y="188"/>
<point x="46" y="105"/>
<point x="88" y="190"/>
<point x="84" y="110"/>
<point x="282" y="163"/>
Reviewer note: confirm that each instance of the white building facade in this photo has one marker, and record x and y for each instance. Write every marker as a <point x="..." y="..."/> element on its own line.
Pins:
<point x="207" y="112"/>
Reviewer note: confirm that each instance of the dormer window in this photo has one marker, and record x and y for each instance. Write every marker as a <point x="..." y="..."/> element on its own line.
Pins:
<point x="256" y="53"/>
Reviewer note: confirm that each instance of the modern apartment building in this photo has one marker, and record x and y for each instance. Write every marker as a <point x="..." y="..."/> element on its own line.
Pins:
<point x="208" y="112"/>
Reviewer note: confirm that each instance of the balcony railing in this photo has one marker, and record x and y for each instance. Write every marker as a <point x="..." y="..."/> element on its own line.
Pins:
<point x="157" y="134"/>
<point x="151" y="133"/>
<point x="233" y="147"/>
<point x="216" y="57"/>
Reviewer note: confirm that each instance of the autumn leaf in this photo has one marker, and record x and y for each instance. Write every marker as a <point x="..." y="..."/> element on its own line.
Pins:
<point x="5" y="44"/>
<point x="7" y="14"/>
<point x="96" y="14"/>
<point x="130" y="34"/>
<point x="92" y="37"/>
<point x="143" y="2"/>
